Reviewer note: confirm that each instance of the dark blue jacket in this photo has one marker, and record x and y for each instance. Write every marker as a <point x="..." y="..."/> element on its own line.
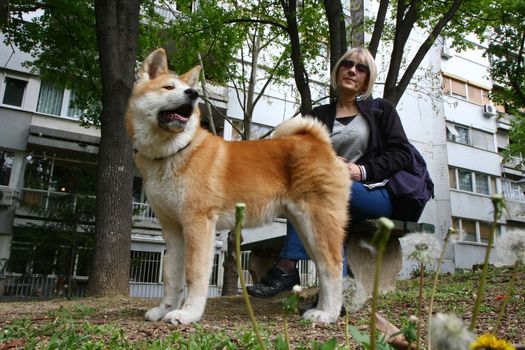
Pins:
<point x="388" y="147"/>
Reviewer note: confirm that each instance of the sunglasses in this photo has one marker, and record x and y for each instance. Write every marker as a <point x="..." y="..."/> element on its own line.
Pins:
<point x="359" y="67"/>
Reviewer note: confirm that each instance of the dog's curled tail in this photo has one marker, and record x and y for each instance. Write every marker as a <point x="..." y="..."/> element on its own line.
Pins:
<point x="304" y="125"/>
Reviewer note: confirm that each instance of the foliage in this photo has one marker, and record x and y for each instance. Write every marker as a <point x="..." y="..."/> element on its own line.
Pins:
<point x="507" y="55"/>
<point x="364" y="339"/>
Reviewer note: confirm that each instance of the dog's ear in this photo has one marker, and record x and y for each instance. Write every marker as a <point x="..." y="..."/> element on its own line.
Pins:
<point x="155" y="64"/>
<point x="192" y="77"/>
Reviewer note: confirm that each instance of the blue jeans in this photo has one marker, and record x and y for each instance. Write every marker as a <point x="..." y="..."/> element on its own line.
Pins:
<point x="364" y="204"/>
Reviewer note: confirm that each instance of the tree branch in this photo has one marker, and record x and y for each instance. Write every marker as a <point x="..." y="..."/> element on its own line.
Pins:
<point x="425" y="47"/>
<point x="378" y="27"/>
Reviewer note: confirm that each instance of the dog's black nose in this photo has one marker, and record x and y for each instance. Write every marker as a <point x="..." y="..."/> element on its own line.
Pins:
<point x="192" y="93"/>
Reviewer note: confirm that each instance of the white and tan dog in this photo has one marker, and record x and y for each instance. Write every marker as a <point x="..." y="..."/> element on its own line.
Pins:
<point x="193" y="180"/>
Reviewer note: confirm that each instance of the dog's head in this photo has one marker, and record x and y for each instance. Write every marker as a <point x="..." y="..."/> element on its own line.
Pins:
<point x="162" y="104"/>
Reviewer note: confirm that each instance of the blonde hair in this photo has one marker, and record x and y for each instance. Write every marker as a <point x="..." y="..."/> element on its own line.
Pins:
<point x="362" y="55"/>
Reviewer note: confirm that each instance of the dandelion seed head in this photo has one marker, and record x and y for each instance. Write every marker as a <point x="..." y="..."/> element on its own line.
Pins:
<point x="365" y="245"/>
<point x="413" y="319"/>
<point x="297" y="289"/>
<point x="510" y="247"/>
<point x="354" y="295"/>
<point x="448" y="332"/>
<point x="422" y="247"/>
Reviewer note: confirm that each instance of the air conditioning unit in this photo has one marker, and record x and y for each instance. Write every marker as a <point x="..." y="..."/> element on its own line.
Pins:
<point x="489" y="110"/>
<point x="6" y="196"/>
<point x="445" y="52"/>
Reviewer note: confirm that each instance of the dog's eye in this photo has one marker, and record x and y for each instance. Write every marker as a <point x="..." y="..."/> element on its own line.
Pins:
<point x="168" y="87"/>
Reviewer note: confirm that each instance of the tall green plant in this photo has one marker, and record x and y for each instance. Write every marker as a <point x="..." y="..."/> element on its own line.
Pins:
<point x="499" y="206"/>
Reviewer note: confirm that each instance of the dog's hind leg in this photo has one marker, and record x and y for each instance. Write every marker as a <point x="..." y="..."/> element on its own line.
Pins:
<point x="199" y="238"/>
<point x="323" y="237"/>
<point x="173" y="276"/>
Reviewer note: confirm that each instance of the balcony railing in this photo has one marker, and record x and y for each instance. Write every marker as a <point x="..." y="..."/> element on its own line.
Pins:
<point x="41" y="201"/>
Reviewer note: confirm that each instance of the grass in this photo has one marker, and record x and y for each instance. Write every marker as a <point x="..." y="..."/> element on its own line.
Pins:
<point x="118" y="323"/>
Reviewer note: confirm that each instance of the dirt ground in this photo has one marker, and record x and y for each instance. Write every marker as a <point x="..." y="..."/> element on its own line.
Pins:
<point x="229" y="315"/>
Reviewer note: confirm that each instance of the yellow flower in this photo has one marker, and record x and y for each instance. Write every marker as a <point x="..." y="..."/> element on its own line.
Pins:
<point x="490" y="342"/>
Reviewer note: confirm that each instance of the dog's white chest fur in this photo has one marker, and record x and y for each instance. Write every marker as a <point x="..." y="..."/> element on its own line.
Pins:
<point x="164" y="190"/>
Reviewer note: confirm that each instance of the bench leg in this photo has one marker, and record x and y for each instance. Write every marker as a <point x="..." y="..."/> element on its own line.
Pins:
<point x="362" y="263"/>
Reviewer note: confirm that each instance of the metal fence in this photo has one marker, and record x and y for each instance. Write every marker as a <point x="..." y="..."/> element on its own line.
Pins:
<point x="145" y="280"/>
<point x="41" y="286"/>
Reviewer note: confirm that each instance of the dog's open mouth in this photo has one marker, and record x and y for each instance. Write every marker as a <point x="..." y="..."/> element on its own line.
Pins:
<point x="179" y="115"/>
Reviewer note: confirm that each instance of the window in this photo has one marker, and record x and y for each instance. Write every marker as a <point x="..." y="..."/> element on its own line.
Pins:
<point x="469" y="136"/>
<point x="6" y="165"/>
<point x="41" y="250"/>
<point x="463" y="135"/>
<point x="483" y="140"/>
<point x="484" y="231"/>
<point x="465" y="180"/>
<point x="469" y="230"/>
<point x="473" y="230"/>
<point x="14" y="91"/>
<point x="512" y="190"/>
<point x="458" y="88"/>
<point x="482" y="184"/>
<point x="49" y="99"/>
<point x="475" y="94"/>
<point x="471" y="181"/>
<point x="145" y="267"/>
<point x="452" y="178"/>
<point x="72" y="110"/>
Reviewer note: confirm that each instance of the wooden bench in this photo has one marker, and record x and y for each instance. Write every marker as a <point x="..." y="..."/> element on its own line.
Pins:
<point x="361" y="262"/>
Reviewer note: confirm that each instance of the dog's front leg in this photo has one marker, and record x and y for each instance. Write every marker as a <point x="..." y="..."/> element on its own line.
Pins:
<point x="173" y="276"/>
<point x="330" y="295"/>
<point x="199" y="238"/>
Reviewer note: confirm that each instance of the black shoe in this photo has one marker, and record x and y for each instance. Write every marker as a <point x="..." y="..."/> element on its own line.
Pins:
<point x="276" y="281"/>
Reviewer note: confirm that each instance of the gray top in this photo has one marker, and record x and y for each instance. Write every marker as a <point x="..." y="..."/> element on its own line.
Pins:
<point x="351" y="140"/>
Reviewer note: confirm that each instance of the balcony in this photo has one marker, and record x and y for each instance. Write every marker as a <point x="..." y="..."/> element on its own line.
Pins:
<point x="36" y="204"/>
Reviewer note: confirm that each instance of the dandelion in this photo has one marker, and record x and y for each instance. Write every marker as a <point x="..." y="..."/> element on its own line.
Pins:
<point x="510" y="247"/>
<point x="448" y="332"/>
<point x="379" y="240"/>
<point x="354" y="295"/>
<point x="490" y="342"/>
<point x="297" y="289"/>
<point x="451" y="235"/>
<point x="424" y="248"/>
<point x="499" y="206"/>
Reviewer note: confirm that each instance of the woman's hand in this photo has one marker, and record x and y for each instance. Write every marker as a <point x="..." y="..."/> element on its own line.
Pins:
<point x="355" y="172"/>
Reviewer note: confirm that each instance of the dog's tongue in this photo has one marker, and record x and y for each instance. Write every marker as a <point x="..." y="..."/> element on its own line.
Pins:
<point x="173" y="116"/>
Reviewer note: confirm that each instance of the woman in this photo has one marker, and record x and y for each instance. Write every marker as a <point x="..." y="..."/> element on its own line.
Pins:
<point x="367" y="135"/>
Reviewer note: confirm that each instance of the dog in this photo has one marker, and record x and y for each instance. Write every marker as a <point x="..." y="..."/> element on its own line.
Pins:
<point x="193" y="180"/>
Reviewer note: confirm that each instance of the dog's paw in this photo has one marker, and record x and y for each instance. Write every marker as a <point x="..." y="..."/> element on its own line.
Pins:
<point x="315" y="315"/>
<point x="156" y="313"/>
<point x="182" y="317"/>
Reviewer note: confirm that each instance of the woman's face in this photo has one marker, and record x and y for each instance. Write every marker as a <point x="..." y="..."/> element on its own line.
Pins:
<point x="352" y="76"/>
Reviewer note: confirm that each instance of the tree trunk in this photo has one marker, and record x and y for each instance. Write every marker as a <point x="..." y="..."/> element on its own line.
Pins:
<point x="231" y="275"/>
<point x="300" y="75"/>
<point x="117" y="23"/>
<point x="357" y="30"/>
<point x="337" y="30"/>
